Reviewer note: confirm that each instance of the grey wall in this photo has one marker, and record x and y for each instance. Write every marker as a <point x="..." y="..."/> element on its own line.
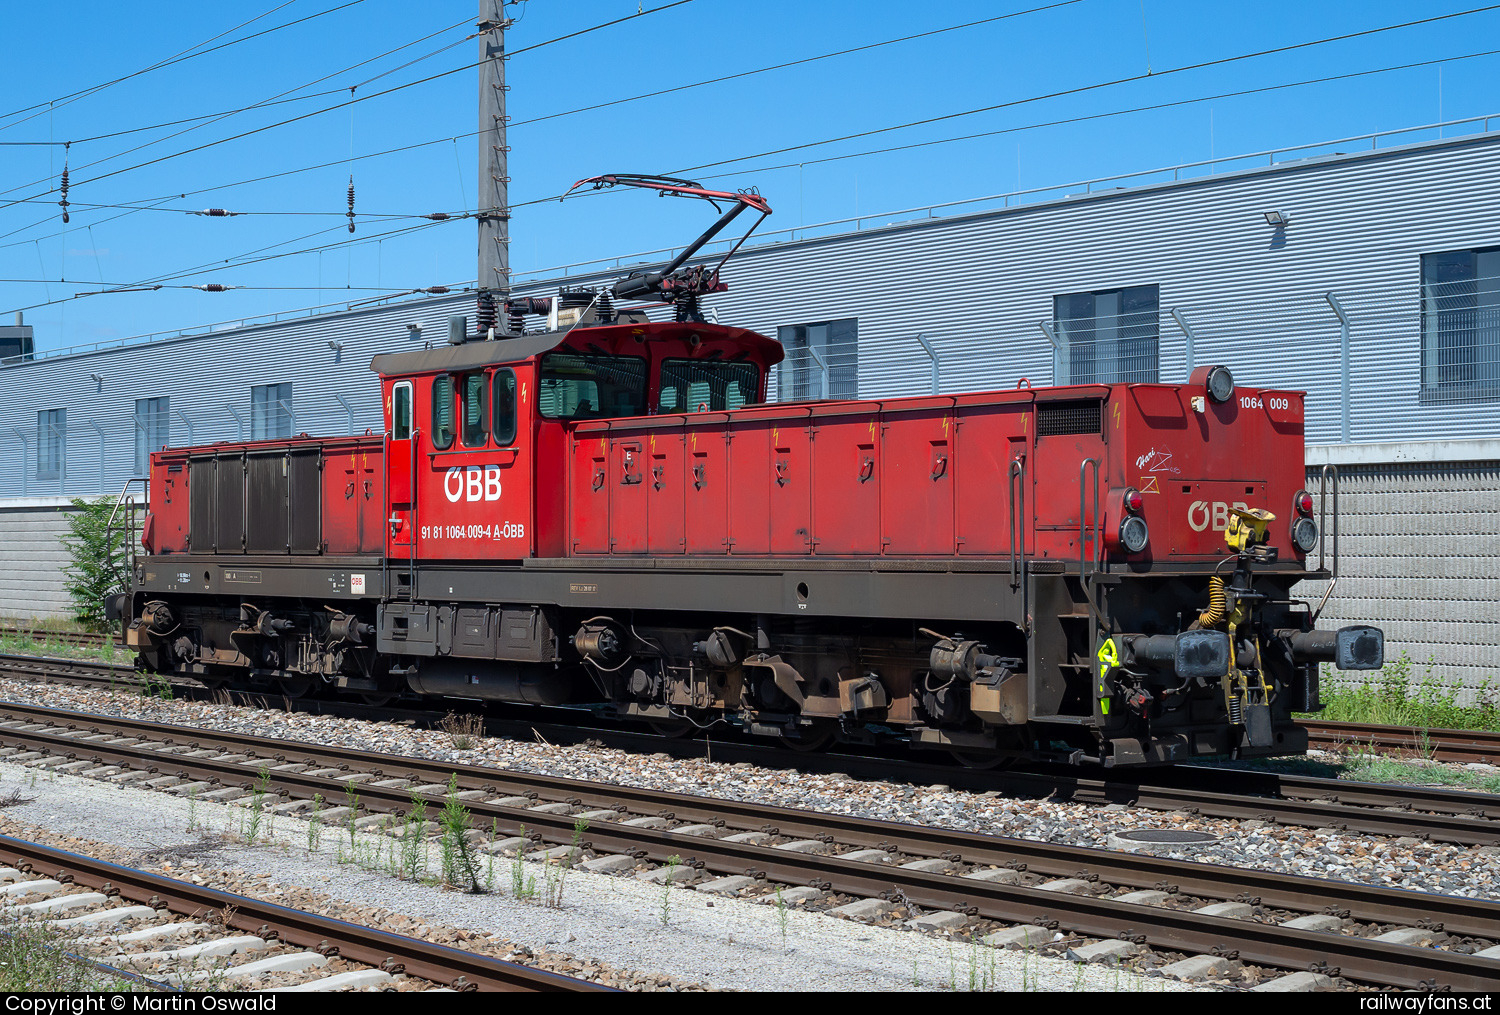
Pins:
<point x="32" y="558"/>
<point x="1419" y="553"/>
<point x="977" y="285"/>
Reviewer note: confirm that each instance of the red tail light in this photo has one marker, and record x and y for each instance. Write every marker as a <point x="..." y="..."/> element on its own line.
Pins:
<point x="1303" y="502"/>
<point x="1134" y="502"/>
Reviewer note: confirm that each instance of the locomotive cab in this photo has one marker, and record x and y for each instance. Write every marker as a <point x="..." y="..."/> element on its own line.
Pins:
<point x="478" y="433"/>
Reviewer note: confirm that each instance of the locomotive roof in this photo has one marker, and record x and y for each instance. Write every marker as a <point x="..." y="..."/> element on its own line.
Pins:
<point x="479" y="353"/>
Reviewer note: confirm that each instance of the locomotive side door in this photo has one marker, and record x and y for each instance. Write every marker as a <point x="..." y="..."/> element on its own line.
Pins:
<point x="473" y="484"/>
<point x="399" y="458"/>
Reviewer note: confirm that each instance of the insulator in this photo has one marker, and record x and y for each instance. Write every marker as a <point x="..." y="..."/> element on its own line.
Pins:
<point x="63" y="189"/>
<point x="214" y="287"/>
<point x="438" y="216"/>
<point x="216" y="213"/>
<point x="351" y="203"/>
<point x="687" y="308"/>
<point x="486" y="314"/>
<point x="435" y="290"/>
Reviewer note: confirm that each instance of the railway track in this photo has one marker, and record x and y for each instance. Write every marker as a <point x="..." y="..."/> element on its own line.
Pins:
<point x="1462" y="746"/>
<point x="1455" y="746"/>
<point x="168" y="934"/>
<point x="855" y="867"/>
<point x="1441" y="815"/>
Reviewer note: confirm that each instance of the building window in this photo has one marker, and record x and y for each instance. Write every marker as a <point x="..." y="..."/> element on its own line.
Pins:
<point x="153" y="430"/>
<point x="51" y="442"/>
<point x="822" y="360"/>
<point x="1108" y="337"/>
<point x="270" y="411"/>
<point x="1461" y="326"/>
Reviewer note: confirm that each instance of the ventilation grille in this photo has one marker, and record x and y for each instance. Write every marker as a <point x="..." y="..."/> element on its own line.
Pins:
<point x="1054" y="419"/>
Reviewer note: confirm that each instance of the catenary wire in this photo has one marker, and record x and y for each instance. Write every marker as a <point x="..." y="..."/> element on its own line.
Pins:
<point x="187" y="54"/>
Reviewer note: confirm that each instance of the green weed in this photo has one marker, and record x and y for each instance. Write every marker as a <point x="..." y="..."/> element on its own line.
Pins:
<point x="459" y="866"/>
<point x="673" y="862"/>
<point x="1392" y="696"/>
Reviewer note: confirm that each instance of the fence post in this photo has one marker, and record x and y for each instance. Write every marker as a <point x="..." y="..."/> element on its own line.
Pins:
<point x="239" y="420"/>
<point x="1343" y="315"/>
<point x="99" y="432"/>
<point x="185" y="422"/>
<point x="1060" y="372"/>
<point x="933" y="355"/>
<point x="347" y="408"/>
<point x="1188" y="338"/>
<point x="822" y="369"/>
<point x="25" y="460"/>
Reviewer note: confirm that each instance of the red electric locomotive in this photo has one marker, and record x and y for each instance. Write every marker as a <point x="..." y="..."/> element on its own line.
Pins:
<point x="609" y="513"/>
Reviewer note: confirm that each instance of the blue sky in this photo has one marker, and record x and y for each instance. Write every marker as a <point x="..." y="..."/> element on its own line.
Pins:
<point x="1098" y="50"/>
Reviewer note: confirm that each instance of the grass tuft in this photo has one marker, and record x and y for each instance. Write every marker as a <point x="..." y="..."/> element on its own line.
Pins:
<point x="1394" y="697"/>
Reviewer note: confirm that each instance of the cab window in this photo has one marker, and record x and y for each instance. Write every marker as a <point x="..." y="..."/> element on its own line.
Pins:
<point x="503" y="407"/>
<point x="693" y="385"/>
<point x="401" y="412"/>
<point x="475" y="428"/>
<point x="591" y="386"/>
<point x="442" y="412"/>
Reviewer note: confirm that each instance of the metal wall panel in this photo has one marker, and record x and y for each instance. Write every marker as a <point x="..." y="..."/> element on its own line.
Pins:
<point x="1420" y="559"/>
<point x="977" y="286"/>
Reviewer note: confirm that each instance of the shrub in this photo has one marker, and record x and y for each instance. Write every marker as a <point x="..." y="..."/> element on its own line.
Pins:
<point x="96" y="558"/>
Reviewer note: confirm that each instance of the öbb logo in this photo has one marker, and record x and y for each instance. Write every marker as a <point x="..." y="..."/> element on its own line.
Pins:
<point x="472" y="483"/>
<point x="1202" y="512"/>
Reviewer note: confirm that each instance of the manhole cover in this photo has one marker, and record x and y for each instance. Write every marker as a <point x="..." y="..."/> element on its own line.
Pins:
<point x="1167" y="837"/>
<point x="1153" y="839"/>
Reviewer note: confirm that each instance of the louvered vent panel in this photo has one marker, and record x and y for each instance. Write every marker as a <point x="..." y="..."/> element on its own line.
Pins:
<point x="1053" y="419"/>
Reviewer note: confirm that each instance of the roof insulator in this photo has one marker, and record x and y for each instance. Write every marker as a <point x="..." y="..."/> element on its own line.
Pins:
<point x="351" y="202"/>
<point x="438" y="216"/>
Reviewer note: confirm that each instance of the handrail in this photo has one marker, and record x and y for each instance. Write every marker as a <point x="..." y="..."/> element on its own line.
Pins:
<point x="385" y="529"/>
<point x="416" y="531"/>
<point x="1329" y="469"/>
<point x="1017" y="489"/>
<point x="1087" y="533"/>
<point x="109" y="526"/>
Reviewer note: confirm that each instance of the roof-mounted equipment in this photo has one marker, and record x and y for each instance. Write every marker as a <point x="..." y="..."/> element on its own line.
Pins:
<point x="674" y="284"/>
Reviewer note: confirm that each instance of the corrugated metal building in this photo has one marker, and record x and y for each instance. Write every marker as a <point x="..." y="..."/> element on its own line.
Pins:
<point x="1369" y="278"/>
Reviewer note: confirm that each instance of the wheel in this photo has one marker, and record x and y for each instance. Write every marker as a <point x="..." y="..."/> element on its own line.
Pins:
<point x="982" y="762"/>
<point x="810" y="741"/>
<point x="671" y="729"/>
<point x="295" y="685"/>
<point x="375" y="699"/>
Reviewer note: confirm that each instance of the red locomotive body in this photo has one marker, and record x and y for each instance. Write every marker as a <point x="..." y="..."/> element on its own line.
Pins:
<point x="610" y="513"/>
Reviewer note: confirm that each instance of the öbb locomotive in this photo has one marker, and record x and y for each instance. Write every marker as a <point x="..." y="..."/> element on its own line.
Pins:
<point x="607" y="512"/>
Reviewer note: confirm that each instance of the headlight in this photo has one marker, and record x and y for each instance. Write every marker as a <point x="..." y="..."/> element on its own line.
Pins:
<point x="1134" y="534"/>
<point x="1305" y="534"/>
<point x="1220" y="384"/>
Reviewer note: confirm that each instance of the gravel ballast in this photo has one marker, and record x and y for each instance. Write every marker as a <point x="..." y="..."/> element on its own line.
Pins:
<point x="1345" y="856"/>
<point x="618" y="930"/>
